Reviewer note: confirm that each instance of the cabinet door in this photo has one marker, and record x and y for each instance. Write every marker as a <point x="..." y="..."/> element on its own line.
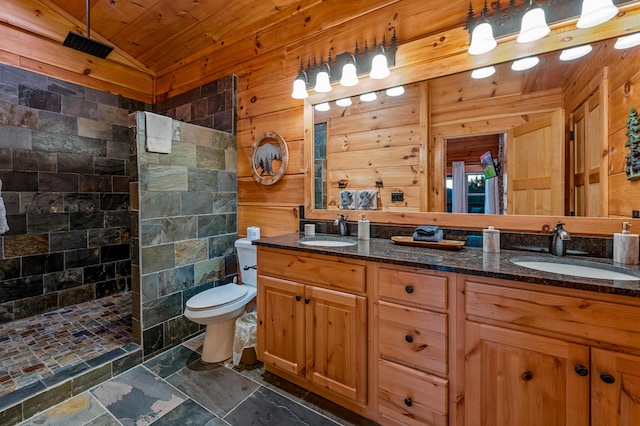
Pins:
<point x="281" y="324"/>
<point x="516" y="378"/>
<point x="336" y="342"/>
<point x="615" y="389"/>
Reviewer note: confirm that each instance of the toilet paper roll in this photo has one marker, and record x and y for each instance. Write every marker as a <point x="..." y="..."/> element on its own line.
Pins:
<point x="253" y="232"/>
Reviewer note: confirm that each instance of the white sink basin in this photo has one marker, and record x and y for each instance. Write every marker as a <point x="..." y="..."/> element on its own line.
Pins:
<point x="577" y="268"/>
<point x="327" y="242"/>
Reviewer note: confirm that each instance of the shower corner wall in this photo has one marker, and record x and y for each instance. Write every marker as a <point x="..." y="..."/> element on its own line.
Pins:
<point x="184" y="223"/>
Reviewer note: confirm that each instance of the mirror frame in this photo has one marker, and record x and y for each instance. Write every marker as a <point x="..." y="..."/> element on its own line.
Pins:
<point x="425" y="59"/>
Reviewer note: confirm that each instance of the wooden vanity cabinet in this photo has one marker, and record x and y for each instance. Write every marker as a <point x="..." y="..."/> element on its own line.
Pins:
<point x="312" y="322"/>
<point x="549" y="356"/>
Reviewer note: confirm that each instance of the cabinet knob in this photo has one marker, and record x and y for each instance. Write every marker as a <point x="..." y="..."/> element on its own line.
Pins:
<point x="409" y="289"/>
<point x="581" y="370"/>
<point x="607" y="378"/>
<point x="307" y="300"/>
<point x="408" y="338"/>
<point x="408" y="402"/>
<point x="526" y="376"/>
<point x="298" y="297"/>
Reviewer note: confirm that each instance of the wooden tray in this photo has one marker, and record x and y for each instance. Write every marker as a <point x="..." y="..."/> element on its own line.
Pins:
<point x="453" y="245"/>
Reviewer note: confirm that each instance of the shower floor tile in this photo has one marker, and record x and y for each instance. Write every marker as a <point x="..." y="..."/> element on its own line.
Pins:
<point x="35" y="348"/>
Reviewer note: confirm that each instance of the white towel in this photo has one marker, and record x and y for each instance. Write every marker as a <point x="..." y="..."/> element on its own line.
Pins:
<point x="159" y="131"/>
<point x="3" y="215"/>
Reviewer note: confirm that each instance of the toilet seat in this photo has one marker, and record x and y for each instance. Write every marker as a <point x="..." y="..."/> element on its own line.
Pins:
<point x="216" y="297"/>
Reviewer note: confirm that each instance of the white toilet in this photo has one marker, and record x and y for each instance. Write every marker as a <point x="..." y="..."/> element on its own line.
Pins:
<point x="219" y="307"/>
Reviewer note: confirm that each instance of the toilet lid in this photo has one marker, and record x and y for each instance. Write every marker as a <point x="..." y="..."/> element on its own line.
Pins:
<point x="216" y="296"/>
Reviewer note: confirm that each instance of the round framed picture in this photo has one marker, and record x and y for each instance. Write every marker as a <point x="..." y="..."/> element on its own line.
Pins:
<point x="269" y="158"/>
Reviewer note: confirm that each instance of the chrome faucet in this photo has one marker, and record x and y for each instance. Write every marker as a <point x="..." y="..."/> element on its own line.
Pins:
<point x="558" y="247"/>
<point x="341" y="223"/>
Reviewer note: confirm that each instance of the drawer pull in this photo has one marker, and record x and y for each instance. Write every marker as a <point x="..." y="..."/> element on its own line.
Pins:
<point x="408" y="402"/>
<point x="581" y="370"/>
<point x="408" y="338"/>
<point x="527" y="375"/>
<point x="607" y="378"/>
<point x="409" y="289"/>
<point x="298" y="297"/>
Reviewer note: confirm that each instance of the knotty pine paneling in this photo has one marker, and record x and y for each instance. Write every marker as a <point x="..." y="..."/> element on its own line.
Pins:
<point x="296" y="160"/>
<point x="288" y="191"/>
<point x="287" y="123"/>
<point x="272" y="220"/>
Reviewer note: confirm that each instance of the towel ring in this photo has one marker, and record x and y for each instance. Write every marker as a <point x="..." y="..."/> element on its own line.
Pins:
<point x="268" y="152"/>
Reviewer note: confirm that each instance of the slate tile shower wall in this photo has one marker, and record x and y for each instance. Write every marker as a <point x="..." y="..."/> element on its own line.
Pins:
<point x="64" y="150"/>
<point x="184" y="229"/>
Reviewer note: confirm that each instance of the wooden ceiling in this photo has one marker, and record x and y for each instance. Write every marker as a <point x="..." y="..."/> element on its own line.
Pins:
<point x="152" y="34"/>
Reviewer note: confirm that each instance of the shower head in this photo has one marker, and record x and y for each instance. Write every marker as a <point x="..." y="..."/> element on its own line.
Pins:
<point x="86" y="44"/>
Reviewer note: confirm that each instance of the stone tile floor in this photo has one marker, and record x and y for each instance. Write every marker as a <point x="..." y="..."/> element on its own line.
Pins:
<point x="38" y="347"/>
<point x="176" y="388"/>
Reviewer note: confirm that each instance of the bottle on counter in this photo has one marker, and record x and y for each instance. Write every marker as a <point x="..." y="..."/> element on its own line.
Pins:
<point x="363" y="228"/>
<point x="491" y="240"/>
<point x="625" y="246"/>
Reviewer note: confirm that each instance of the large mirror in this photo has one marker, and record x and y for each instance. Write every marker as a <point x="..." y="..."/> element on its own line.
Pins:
<point x="547" y="142"/>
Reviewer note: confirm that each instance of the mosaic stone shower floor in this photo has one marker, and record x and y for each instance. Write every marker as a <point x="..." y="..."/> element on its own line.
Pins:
<point x="35" y="348"/>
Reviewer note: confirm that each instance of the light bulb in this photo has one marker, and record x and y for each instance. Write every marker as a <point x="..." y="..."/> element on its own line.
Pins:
<point x="324" y="106"/>
<point x="595" y="12"/>
<point x="482" y="40"/>
<point x="395" y="91"/>
<point x="323" y="84"/>
<point x="625" y="42"/>
<point x="349" y="75"/>
<point x="379" y="67"/>
<point x="368" y="97"/>
<point x="299" y="89"/>
<point x="344" y="102"/>
<point x="534" y="26"/>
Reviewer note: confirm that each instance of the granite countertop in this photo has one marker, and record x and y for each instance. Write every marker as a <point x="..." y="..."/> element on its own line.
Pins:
<point x="468" y="260"/>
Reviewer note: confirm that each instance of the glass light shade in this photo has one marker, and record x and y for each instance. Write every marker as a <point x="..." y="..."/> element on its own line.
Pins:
<point x="299" y="89"/>
<point x="323" y="84"/>
<point x="482" y="40"/>
<point x="525" y="63"/>
<point x="628" y="41"/>
<point x="395" y="91"/>
<point x="595" y="12"/>
<point x="379" y="67"/>
<point x="483" y="72"/>
<point x="344" y="102"/>
<point x="349" y="75"/>
<point x="575" y="52"/>
<point x="368" y="97"/>
<point x="534" y="26"/>
<point x="323" y="106"/>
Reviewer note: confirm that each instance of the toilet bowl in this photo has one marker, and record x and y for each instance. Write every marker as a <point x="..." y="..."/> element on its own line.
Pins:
<point x="219" y="307"/>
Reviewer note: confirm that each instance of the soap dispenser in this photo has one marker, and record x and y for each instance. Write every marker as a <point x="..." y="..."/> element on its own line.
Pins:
<point x="625" y="246"/>
<point x="363" y="228"/>
<point x="491" y="240"/>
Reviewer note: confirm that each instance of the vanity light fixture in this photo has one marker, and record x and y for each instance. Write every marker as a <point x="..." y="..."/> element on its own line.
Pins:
<point x="530" y="23"/>
<point x="395" y="91"/>
<point x="595" y="12"/>
<point x="525" y="63"/>
<point x="483" y="72"/>
<point x="534" y="25"/>
<point x="374" y="61"/>
<point x="324" y="106"/>
<point x="323" y="84"/>
<point x="344" y="102"/>
<point x="575" y="52"/>
<point x="628" y="41"/>
<point x="368" y="97"/>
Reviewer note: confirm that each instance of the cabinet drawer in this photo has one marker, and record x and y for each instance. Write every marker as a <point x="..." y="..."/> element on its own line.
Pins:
<point x="327" y="271"/>
<point x="577" y="316"/>
<point x="413" y="288"/>
<point x="413" y="337"/>
<point x="411" y="396"/>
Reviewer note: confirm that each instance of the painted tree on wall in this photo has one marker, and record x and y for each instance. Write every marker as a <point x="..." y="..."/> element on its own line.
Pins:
<point x="633" y="143"/>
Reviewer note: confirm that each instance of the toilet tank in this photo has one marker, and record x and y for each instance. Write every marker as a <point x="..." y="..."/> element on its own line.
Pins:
<point x="247" y="261"/>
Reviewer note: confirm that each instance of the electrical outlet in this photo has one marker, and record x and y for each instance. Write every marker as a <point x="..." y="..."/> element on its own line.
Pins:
<point x="397" y="196"/>
<point x="635" y="214"/>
